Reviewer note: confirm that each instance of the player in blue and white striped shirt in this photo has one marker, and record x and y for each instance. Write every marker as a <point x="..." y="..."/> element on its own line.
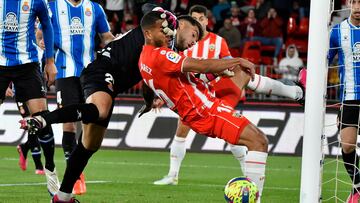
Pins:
<point x="75" y="24"/>
<point x="19" y="65"/>
<point x="345" y="41"/>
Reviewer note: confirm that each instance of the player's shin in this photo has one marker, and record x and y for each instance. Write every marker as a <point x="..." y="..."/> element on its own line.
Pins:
<point x="265" y="85"/>
<point x="68" y="144"/>
<point x="76" y="164"/>
<point x="255" y="163"/>
<point x="46" y="139"/>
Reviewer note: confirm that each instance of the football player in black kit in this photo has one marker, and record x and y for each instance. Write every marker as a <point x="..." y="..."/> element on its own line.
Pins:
<point x="114" y="71"/>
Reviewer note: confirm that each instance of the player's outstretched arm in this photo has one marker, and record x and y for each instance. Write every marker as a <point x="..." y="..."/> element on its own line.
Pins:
<point x="217" y="65"/>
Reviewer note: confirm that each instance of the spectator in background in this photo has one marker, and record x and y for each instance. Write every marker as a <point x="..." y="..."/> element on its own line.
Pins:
<point x="230" y="34"/>
<point x="261" y="8"/>
<point x="235" y="16"/>
<point x="271" y="32"/>
<point x="219" y="11"/>
<point x="290" y="65"/>
<point x="115" y="12"/>
<point x="249" y="25"/>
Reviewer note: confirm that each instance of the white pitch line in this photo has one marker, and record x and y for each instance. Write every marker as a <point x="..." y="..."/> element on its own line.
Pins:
<point x="184" y="165"/>
<point x="150" y="184"/>
<point x="35" y="184"/>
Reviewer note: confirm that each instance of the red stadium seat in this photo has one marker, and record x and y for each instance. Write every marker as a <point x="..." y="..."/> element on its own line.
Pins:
<point x="251" y="51"/>
<point x="291" y="26"/>
<point x="235" y="52"/>
<point x="304" y="26"/>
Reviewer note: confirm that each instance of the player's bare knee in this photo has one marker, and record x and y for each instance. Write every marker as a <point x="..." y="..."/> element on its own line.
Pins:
<point x="348" y="148"/>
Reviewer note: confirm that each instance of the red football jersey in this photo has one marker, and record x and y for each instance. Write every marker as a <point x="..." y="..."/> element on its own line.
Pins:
<point x="182" y="92"/>
<point x="211" y="47"/>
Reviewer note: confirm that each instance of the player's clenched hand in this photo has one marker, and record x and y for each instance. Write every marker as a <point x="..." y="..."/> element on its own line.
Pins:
<point x="41" y="44"/>
<point x="156" y="105"/>
<point x="50" y="72"/>
<point x="247" y="67"/>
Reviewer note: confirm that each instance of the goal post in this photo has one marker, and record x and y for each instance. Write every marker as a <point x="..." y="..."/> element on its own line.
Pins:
<point x="310" y="191"/>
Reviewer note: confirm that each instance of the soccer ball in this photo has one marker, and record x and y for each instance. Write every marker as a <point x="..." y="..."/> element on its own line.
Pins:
<point x="241" y="190"/>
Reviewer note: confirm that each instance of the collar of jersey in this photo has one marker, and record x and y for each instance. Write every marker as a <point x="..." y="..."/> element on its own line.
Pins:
<point x="72" y="5"/>
<point x="351" y="25"/>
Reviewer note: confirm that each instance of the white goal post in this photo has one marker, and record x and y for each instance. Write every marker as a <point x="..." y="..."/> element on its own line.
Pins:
<point x="311" y="167"/>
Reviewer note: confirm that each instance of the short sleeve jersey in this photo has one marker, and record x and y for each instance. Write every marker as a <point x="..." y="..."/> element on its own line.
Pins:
<point x="182" y="92"/>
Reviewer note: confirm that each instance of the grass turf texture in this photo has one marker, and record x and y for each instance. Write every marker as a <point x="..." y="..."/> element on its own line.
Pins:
<point x="127" y="176"/>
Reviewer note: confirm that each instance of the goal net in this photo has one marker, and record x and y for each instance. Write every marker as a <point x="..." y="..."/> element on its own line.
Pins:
<point x="335" y="184"/>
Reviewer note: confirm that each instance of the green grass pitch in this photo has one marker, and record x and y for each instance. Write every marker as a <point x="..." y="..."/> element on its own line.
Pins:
<point x="118" y="176"/>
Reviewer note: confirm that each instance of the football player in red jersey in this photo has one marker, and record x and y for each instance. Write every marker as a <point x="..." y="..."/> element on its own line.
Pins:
<point x="170" y="76"/>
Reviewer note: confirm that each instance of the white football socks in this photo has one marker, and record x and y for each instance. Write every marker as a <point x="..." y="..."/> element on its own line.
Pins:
<point x="64" y="196"/>
<point x="239" y="153"/>
<point x="177" y="154"/>
<point x="255" y="163"/>
<point x="265" y="85"/>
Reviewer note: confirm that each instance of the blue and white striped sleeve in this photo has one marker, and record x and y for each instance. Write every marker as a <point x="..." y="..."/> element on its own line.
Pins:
<point x="102" y="24"/>
<point x="42" y="12"/>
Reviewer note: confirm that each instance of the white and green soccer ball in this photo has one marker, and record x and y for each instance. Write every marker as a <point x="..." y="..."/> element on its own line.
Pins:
<point x="241" y="190"/>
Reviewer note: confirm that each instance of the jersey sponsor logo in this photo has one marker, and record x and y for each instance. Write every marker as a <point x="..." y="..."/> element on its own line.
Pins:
<point x="356" y="52"/>
<point x="76" y="26"/>
<point x="88" y="12"/>
<point x="25" y="7"/>
<point x="11" y="23"/>
<point x="173" y="57"/>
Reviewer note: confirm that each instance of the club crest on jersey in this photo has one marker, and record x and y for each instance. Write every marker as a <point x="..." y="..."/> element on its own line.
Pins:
<point x="76" y="26"/>
<point x="173" y="57"/>
<point x="25" y="7"/>
<point x="356" y="52"/>
<point x="11" y="23"/>
<point x="88" y="12"/>
<point x="212" y="47"/>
